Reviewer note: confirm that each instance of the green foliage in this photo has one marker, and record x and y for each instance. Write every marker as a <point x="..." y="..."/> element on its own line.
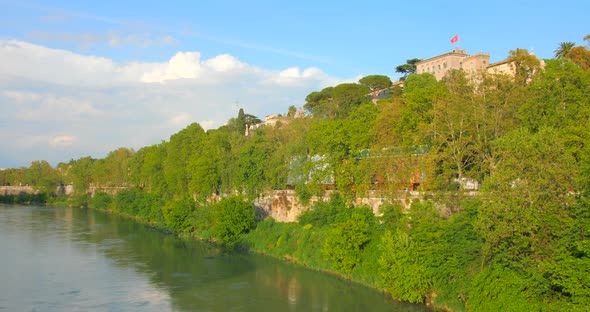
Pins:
<point x="391" y="216"/>
<point x="376" y="82"/>
<point x="233" y="217"/>
<point x="13" y="176"/>
<point x="80" y="174"/>
<point x="525" y="65"/>
<point x="325" y="213"/>
<point x="146" y="206"/>
<point x="203" y="221"/>
<point x="420" y="93"/>
<point x="402" y="274"/>
<point x="43" y="177"/>
<point x="183" y="146"/>
<point x="147" y="168"/>
<point x="345" y="241"/>
<point x="497" y="289"/>
<point x="205" y="170"/>
<point x="79" y="200"/>
<point x="564" y="49"/>
<point x="408" y="68"/>
<point x="101" y="201"/>
<point x="251" y="165"/>
<point x="317" y="101"/>
<point x="570" y="275"/>
<point x="178" y="214"/>
<point x="527" y="197"/>
<point x="338" y="101"/>
<point x="24" y="198"/>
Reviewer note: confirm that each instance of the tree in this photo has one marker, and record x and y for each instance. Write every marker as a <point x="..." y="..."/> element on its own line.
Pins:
<point x="408" y="68"/>
<point x="526" y="65"/>
<point x="336" y="102"/>
<point x="43" y="177"/>
<point x="421" y="92"/>
<point x="177" y="214"/>
<point x="402" y="274"/>
<point x="233" y="217"/>
<point x="179" y="152"/>
<point x="527" y="199"/>
<point x="345" y="240"/>
<point x="580" y="56"/>
<point x="292" y="111"/>
<point x="453" y="131"/>
<point x="80" y="174"/>
<point x="564" y="49"/>
<point x="115" y="168"/>
<point x="376" y="82"/>
<point x="147" y="168"/>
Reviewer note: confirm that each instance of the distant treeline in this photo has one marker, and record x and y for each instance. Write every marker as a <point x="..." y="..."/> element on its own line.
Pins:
<point x="520" y="245"/>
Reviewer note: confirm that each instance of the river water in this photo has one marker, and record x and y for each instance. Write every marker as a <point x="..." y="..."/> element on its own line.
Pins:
<point x="64" y="259"/>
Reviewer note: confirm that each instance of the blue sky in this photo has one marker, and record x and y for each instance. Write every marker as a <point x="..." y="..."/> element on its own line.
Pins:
<point x="82" y="78"/>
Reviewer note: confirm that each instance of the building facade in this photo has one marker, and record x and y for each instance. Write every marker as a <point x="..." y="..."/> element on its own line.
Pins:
<point x="456" y="59"/>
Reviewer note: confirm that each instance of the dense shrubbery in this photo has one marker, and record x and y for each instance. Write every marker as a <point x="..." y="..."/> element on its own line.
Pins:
<point x="24" y="198"/>
<point x="232" y="217"/>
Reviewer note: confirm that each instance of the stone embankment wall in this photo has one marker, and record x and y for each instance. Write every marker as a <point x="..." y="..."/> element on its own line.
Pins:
<point x="111" y="190"/>
<point x="282" y="205"/>
<point x="285" y="206"/>
<point x="16" y="190"/>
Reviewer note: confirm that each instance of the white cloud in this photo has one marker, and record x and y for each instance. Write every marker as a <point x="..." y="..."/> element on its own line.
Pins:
<point x="180" y="119"/>
<point x="93" y="105"/>
<point x="62" y="140"/>
<point x="113" y="39"/>
<point x="184" y="65"/>
<point x="225" y="63"/>
<point x="38" y="63"/>
<point x="20" y="97"/>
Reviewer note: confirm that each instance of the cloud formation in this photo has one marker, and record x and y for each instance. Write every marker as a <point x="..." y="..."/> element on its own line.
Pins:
<point x="57" y="105"/>
<point x="113" y="39"/>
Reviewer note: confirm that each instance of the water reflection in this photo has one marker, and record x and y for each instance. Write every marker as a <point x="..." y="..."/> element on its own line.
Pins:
<point x="92" y="261"/>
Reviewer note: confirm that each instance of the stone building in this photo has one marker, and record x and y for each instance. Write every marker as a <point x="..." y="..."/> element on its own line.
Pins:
<point x="456" y="59"/>
<point x="505" y="67"/>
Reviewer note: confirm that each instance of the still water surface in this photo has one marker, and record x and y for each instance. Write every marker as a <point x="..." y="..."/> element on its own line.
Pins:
<point x="64" y="259"/>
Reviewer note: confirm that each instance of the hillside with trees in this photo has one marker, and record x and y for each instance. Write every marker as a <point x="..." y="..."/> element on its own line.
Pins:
<point x="519" y="243"/>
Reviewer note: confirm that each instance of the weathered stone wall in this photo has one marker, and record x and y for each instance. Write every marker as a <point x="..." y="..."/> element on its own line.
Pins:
<point x="285" y="206"/>
<point x="16" y="190"/>
<point x="66" y="189"/>
<point x="111" y="190"/>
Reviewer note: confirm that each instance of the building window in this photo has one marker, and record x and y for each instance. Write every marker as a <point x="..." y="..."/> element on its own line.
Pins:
<point x="444" y="65"/>
<point x="438" y="66"/>
<point x="484" y="62"/>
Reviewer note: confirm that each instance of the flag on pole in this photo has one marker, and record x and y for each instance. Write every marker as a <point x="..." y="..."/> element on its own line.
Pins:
<point x="455" y="39"/>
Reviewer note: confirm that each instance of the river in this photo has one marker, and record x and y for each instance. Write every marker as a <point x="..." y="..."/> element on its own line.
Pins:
<point x="70" y="259"/>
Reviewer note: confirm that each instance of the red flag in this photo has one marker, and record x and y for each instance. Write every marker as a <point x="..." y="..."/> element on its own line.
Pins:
<point x="455" y="39"/>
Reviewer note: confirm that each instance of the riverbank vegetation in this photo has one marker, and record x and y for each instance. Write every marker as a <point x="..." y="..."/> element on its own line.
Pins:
<point x="517" y="243"/>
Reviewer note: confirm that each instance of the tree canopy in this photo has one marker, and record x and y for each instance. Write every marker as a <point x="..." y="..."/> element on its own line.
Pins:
<point x="376" y="82"/>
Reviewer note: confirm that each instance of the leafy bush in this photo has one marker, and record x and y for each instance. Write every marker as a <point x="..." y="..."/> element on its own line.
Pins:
<point x="345" y="240"/>
<point x="325" y="213"/>
<point x="233" y="217"/>
<point x="499" y="289"/>
<point x="403" y="275"/>
<point x="101" y="201"/>
<point x="178" y="213"/>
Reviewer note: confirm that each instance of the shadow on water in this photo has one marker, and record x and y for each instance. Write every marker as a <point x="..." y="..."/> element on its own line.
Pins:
<point x="197" y="276"/>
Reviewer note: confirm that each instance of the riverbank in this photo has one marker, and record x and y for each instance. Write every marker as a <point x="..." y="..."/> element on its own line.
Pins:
<point x="320" y="241"/>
